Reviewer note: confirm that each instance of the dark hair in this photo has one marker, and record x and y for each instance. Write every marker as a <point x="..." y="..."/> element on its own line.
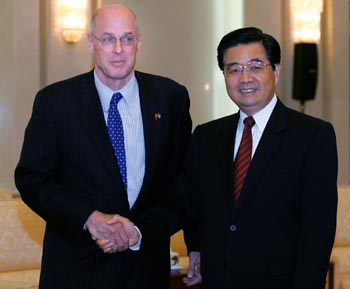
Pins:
<point x="249" y="35"/>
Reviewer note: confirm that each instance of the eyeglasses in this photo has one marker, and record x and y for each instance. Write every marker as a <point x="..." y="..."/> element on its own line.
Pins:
<point x="255" y="67"/>
<point x="110" y="40"/>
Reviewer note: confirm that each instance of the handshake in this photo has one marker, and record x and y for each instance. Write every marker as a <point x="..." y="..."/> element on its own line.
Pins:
<point x="112" y="232"/>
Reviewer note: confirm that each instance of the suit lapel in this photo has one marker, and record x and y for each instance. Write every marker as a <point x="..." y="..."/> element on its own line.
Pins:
<point x="226" y="143"/>
<point x="152" y="125"/>
<point x="268" y="145"/>
<point x="91" y="115"/>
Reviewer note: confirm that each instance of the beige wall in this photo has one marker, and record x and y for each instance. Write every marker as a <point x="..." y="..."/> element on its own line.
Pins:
<point x="336" y="97"/>
<point x="19" y="70"/>
<point x="179" y="41"/>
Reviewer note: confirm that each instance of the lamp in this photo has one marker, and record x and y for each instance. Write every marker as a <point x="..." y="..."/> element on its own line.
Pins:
<point x="306" y="20"/>
<point x="73" y="16"/>
<point x="306" y="35"/>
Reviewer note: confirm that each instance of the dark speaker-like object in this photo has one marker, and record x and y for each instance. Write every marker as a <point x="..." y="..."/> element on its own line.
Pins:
<point x="305" y="72"/>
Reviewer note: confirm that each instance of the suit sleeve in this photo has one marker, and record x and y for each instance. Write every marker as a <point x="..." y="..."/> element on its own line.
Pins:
<point x="180" y="146"/>
<point x="179" y="209"/>
<point x="183" y="131"/>
<point x="318" y="210"/>
<point x="37" y="175"/>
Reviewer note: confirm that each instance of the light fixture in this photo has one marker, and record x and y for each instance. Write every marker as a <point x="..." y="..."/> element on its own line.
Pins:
<point x="73" y="19"/>
<point x="306" y="15"/>
<point x="306" y="20"/>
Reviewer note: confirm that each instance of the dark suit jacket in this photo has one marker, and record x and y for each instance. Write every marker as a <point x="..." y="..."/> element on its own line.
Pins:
<point x="280" y="235"/>
<point x="67" y="169"/>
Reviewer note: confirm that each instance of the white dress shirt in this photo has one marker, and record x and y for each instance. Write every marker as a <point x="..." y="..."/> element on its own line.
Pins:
<point x="261" y="118"/>
<point x="130" y="112"/>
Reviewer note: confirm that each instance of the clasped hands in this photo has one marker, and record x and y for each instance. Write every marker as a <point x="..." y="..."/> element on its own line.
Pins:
<point x="112" y="232"/>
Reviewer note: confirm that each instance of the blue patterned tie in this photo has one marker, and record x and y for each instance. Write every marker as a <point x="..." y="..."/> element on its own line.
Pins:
<point x="116" y="134"/>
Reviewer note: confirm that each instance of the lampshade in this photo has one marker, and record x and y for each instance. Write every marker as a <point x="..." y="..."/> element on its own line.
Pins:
<point x="73" y="19"/>
<point x="306" y="20"/>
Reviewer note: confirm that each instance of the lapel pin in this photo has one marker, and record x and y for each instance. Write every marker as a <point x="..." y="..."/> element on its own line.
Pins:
<point x="157" y="116"/>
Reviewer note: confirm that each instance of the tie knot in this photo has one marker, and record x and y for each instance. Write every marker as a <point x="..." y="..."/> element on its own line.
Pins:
<point x="116" y="97"/>
<point x="249" y="121"/>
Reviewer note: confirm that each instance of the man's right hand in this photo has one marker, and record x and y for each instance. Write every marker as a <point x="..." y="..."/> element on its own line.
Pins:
<point x="98" y="226"/>
<point x="128" y="228"/>
<point x="112" y="233"/>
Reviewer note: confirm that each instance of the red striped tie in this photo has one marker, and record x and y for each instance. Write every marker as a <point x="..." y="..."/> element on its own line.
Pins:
<point x="243" y="158"/>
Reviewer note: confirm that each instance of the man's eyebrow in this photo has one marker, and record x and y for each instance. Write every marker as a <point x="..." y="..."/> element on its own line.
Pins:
<point x="231" y="63"/>
<point x="257" y="59"/>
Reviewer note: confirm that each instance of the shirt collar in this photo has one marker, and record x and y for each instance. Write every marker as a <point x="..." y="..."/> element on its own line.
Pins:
<point x="130" y="92"/>
<point x="261" y="117"/>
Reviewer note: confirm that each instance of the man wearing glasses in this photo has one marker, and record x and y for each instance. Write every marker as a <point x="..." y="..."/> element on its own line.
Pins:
<point x="107" y="142"/>
<point x="261" y="184"/>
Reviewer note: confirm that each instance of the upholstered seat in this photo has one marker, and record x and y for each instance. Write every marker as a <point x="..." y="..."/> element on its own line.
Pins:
<point x="21" y="236"/>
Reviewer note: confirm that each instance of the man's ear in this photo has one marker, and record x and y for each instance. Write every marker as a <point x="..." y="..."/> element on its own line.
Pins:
<point x="90" y="44"/>
<point x="139" y="42"/>
<point x="277" y="72"/>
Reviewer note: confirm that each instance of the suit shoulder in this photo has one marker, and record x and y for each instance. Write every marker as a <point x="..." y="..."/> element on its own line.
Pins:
<point x="155" y="80"/>
<point x="303" y="126"/>
<point x="304" y="120"/>
<point x="64" y="91"/>
<point x="69" y="83"/>
<point x="216" y="125"/>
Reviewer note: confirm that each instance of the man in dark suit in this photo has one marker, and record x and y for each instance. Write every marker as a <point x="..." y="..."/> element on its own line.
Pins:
<point x="278" y="232"/>
<point x="70" y="174"/>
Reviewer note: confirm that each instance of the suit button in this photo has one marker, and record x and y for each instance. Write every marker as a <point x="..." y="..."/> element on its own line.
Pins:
<point x="233" y="228"/>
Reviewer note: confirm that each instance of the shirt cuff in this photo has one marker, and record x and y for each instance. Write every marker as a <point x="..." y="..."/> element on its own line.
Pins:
<point x="137" y="246"/>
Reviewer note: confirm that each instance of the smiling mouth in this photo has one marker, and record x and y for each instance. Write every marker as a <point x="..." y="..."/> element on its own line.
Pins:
<point x="247" y="90"/>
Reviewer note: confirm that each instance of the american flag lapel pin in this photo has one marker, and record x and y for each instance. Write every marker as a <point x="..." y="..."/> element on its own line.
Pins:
<point x="157" y="116"/>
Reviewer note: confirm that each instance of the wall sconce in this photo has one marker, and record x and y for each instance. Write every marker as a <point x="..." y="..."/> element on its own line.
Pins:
<point x="306" y="20"/>
<point x="306" y="29"/>
<point x="73" y="18"/>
